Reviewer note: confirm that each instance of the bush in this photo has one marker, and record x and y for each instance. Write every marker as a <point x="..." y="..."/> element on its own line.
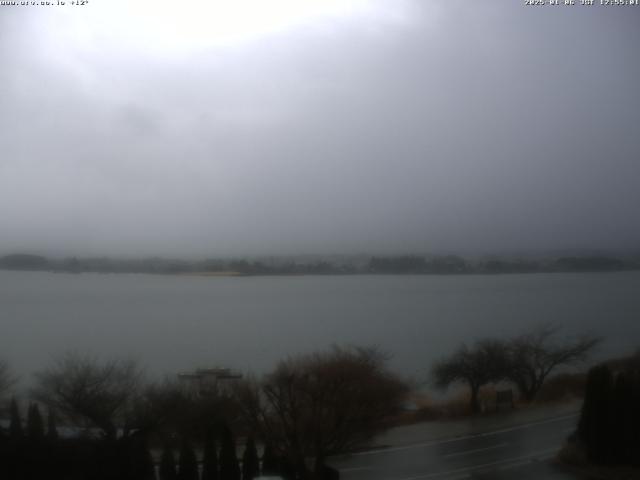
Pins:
<point x="609" y="422"/>
<point x="562" y="387"/>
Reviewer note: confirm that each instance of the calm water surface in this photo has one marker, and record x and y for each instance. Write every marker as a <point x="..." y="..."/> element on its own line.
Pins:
<point x="172" y="323"/>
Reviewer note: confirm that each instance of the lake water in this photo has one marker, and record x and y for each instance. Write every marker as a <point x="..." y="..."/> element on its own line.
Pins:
<point x="172" y="323"/>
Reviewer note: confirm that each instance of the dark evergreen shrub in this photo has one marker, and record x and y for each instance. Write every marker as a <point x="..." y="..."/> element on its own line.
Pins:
<point x="140" y="465"/>
<point x="15" y="423"/>
<point x="188" y="463"/>
<point x="609" y="426"/>
<point x="250" y="461"/>
<point x="52" y="430"/>
<point x="35" y="424"/>
<point x="210" y="458"/>
<point x="623" y="407"/>
<point x="635" y="419"/>
<point x="167" y="465"/>
<point x="270" y="464"/>
<point x="229" y="467"/>
<point x="287" y="469"/>
<point x="595" y="426"/>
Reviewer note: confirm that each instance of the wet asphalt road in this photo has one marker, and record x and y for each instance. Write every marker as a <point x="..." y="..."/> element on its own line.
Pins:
<point x="521" y="452"/>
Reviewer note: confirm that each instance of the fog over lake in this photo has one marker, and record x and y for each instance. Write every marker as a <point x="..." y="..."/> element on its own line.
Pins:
<point x="313" y="128"/>
<point x="242" y="128"/>
<point x="214" y="187"/>
<point x="172" y="323"/>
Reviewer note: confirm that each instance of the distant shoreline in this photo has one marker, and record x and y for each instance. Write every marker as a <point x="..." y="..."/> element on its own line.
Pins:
<point x="288" y="275"/>
<point x="210" y="274"/>
<point x="322" y="266"/>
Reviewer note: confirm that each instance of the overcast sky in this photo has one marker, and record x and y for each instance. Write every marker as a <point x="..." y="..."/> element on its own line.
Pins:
<point x="273" y="127"/>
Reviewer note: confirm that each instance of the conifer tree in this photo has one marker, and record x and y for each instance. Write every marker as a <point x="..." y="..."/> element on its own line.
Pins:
<point x="622" y="414"/>
<point x="140" y="460"/>
<point x="596" y="426"/>
<point x="635" y="418"/>
<point x="270" y="466"/>
<point x="210" y="458"/>
<point x="35" y="454"/>
<point x="229" y="467"/>
<point x="35" y="424"/>
<point x="52" y="430"/>
<point x="324" y="471"/>
<point x="250" y="461"/>
<point x="188" y="463"/>
<point x="168" y="465"/>
<point x="147" y="470"/>
<point x="15" y="425"/>
<point x="287" y="470"/>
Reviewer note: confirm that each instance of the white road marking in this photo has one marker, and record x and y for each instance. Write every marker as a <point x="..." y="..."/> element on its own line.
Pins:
<point x="542" y="454"/>
<point x="458" y="439"/>
<point x="475" y="450"/>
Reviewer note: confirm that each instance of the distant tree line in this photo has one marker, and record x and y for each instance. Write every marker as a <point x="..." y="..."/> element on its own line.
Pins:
<point x="453" y="264"/>
<point x="402" y="264"/>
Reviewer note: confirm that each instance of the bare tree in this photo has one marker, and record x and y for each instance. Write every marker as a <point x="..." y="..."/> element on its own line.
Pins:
<point x="532" y="357"/>
<point x="485" y="362"/>
<point x="317" y="405"/>
<point x="88" y="392"/>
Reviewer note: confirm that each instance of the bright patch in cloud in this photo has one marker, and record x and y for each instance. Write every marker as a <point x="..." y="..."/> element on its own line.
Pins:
<point x="165" y="26"/>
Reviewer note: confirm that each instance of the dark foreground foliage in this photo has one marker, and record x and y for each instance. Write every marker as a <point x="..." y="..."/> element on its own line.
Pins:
<point x="35" y="455"/>
<point x="609" y="428"/>
<point x="75" y="459"/>
<point x="309" y="408"/>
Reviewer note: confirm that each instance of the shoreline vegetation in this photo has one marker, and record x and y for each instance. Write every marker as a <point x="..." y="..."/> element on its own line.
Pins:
<point x="325" y="265"/>
<point x="128" y="417"/>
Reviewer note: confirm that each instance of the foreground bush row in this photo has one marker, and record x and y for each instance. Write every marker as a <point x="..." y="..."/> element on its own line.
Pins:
<point x="35" y="455"/>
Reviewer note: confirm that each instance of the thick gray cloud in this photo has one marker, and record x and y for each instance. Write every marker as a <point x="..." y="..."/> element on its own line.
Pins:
<point x="403" y="126"/>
